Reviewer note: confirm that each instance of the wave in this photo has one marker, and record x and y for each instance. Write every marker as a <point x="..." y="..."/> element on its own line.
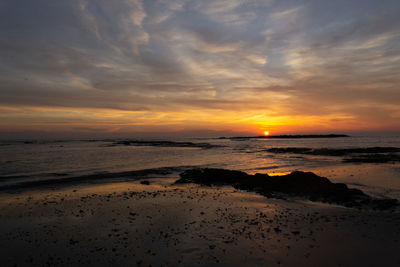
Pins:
<point x="94" y="178"/>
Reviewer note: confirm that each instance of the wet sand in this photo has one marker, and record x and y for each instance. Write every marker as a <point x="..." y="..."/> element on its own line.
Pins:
<point x="160" y="224"/>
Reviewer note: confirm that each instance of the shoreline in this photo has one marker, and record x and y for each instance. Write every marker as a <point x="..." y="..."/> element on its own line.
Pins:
<point x="288" y="185"/>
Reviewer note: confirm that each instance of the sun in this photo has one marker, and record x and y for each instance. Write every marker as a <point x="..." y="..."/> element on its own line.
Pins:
<point x="266" y="133"/>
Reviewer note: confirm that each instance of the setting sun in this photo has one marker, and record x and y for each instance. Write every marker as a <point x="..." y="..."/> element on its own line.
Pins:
<point x="266" y="133"/>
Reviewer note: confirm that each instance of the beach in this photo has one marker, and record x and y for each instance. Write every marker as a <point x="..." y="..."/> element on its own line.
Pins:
<point x="262" y="202"/>
<point x="164" y="224"/>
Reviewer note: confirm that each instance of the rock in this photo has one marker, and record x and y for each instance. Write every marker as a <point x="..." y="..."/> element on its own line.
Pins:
<point x="162" y="143"/>
<point x="358" y="155"/>
<point x="296" y="184"/>
<point x="373" y="158"/>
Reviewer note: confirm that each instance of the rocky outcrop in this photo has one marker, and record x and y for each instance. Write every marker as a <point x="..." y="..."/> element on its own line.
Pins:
<point x="163" y="144"/>
<point x="305" y="185"/>
<point x="360" y="155"/>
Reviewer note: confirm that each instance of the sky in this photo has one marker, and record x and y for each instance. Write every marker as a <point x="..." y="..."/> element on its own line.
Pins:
<point x="209" y="67"/>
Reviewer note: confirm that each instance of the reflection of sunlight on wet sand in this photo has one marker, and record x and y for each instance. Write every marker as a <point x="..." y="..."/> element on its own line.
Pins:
<point x="251" y="200"/>
<point x="370" y="178"/>
<point x="278" y="173"/>
<point x="75" y="192"/>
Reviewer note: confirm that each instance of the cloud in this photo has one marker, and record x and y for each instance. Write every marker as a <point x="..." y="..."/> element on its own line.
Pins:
<point x="242" y="58"/>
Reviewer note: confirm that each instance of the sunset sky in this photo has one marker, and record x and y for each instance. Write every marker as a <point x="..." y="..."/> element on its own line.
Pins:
<point x="209" y="67"/>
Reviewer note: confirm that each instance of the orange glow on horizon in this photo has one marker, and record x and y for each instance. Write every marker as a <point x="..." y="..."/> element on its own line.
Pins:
<point x="74" y="121"/>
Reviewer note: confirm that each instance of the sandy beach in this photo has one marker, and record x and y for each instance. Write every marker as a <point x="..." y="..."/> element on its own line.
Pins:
<point x="161" y="224"/>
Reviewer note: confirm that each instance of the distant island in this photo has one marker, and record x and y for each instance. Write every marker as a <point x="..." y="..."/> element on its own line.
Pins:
<point x="289" y="136"/>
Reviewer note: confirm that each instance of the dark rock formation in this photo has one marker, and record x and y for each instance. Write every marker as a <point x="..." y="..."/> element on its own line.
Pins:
<point x="296" y="184"/>
<point x="332" y="151"/>
<point x="367" y="155"/>
<point x="163" y="144"/>
<point x="374" y="158"/>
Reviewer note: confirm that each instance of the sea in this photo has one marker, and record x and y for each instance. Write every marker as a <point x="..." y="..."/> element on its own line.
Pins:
<point x="36" y="164"/>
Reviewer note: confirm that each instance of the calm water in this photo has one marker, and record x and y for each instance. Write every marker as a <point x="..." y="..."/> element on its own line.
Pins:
<point x="30" y="161"/>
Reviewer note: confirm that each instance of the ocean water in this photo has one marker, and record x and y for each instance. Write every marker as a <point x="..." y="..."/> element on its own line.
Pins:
<point x="22" y="163"/>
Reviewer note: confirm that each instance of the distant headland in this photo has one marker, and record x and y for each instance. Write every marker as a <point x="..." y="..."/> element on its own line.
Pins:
<point x="296" y="136"/>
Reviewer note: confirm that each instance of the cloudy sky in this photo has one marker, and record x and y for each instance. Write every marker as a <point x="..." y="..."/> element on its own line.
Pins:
<point x="85" y="67"/>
